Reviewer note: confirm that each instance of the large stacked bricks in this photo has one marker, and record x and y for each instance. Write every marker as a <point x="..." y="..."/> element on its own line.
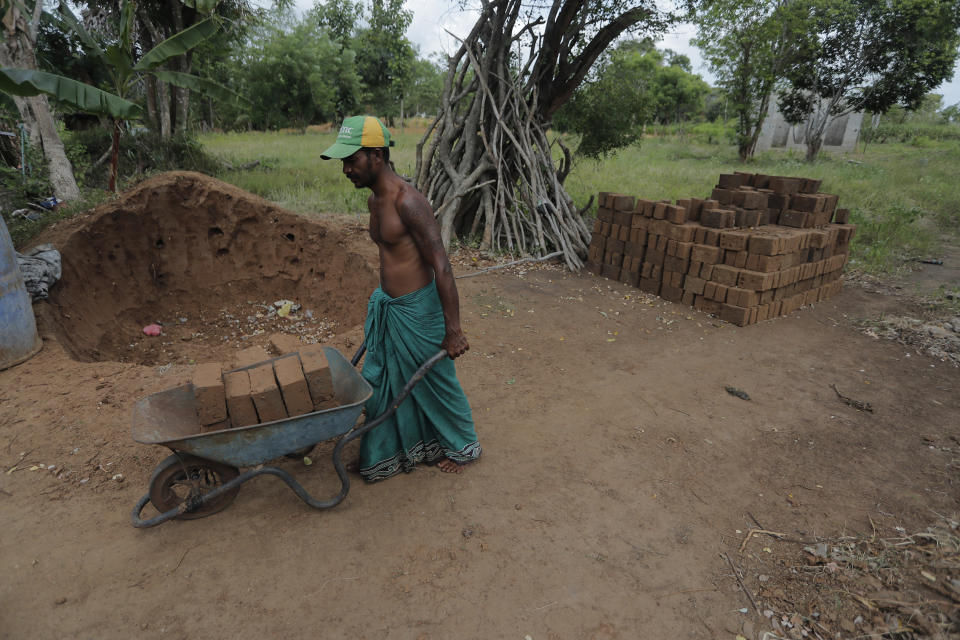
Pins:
<point x="759" y="247"/>
<point x="288" y="386"/>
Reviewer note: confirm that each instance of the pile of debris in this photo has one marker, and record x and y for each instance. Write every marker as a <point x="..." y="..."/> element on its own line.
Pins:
<point x="761" y="247"/>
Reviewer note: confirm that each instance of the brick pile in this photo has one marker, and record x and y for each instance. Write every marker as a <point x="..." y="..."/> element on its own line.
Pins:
<point x="760" y="247"/>
<point x="288" y="386"/>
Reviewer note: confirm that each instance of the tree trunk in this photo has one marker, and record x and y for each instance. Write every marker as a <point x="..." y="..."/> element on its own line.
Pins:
<point x="488" y="167"/>
<point x="17" y="50"/>
<point x="115" y="156"/>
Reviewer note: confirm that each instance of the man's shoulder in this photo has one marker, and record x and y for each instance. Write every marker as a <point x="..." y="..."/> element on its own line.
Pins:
<point x="410" y="200"/>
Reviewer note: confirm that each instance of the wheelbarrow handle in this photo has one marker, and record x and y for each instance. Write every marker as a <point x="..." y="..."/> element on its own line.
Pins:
<point x="407" y="388"/>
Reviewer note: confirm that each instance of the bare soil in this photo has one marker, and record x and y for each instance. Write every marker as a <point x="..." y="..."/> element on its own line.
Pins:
<point x="618" y="474"/>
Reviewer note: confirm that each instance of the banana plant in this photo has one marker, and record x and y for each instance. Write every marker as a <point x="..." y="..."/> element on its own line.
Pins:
<point x="125" y="72"/>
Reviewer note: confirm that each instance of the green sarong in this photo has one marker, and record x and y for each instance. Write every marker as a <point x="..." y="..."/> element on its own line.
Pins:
<point x="435" y="420"/>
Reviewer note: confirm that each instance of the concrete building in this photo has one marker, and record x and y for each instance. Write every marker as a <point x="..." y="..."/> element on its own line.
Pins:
<point x="840" y="135"/>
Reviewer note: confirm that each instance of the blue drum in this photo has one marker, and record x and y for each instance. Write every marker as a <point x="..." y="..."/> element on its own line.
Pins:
<point x="18" y="328"/>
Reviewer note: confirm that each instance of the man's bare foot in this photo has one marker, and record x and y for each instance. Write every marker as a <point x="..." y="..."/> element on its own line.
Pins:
<point x="449" y="466"/>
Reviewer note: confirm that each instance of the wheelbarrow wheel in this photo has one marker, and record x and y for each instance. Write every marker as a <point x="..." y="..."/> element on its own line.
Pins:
<point x="181" y="476"/>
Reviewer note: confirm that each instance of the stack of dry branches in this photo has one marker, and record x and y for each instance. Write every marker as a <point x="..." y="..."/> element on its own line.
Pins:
<point x="488" y="166"/>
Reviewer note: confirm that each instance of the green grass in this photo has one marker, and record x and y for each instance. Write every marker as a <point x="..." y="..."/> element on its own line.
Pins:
<point x="904" y="197"/>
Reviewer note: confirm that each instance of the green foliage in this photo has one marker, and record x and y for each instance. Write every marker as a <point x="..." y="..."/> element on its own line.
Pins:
<point x="385" y="57"/>
<point x="634" y="86"/>
<point x="747" y="44"/>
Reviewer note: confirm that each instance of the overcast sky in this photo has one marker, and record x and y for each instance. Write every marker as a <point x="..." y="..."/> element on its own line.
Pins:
<point x="433" y="18"/>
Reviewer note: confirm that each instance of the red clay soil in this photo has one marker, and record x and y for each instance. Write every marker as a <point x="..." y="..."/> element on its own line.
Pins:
<point x="198" y="256"/>
<point x="616" y="469"/>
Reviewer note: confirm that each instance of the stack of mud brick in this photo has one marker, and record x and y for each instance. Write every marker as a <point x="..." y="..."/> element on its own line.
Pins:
<point x="759" y="247"/>
<point x="288" y="386"/>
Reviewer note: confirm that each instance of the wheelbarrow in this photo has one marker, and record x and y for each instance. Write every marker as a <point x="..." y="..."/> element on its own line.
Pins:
<point x="202" y="476"/>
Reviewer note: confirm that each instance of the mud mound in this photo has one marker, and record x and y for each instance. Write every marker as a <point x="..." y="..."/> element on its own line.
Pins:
<point x="207" y="261"/>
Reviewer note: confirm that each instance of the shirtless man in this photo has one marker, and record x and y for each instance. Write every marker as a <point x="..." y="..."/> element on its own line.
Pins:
<point x="417" y="294"/>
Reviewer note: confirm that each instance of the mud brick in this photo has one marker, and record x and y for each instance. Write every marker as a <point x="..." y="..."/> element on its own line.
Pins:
<point x="778" y="201"/>
<point x="605" y="230"/>
<point x="646" y="269"/>
<point x="714" y="218"/>
<point x="706" y="271"/>
<point x="594" y="267"/>
<point x="754" y="200"/>
<point x="709" y="289"/>
<point x="747" y="218"/>
<point x="673" y="294"/>
<point x="773" y="216"/>
<point x="755" y="280"/>
<point x="699" y="236"/>
<point x="623" y="202"/>
<point x="266" y="394"/>
<point x="602" y="198"/>
<point x="595" y="253"/>
<point x="317" y="371"/>
<point x="730" y="258"/>
<point x="740" y="259"/>
<point x="660" y="211"/>
<point x="797" y="219"/>
<point x="239" y="403"/>
<point x="711" y="237"/>
<point x="753" y="261"/>
<point x="649" y="285"/>
<point x="208" y="391"/>
<point x="605" y="215"/>
<point x="754" y="313"/>
<point x="694" y="285"/>
<point x="768" y="264"/>
<point x="810" y="296"/>
<point x="675" y="264"/>
<point x="614" y="260"/>
<point x="614" y="245"/>
<point x="662" y="243"/>
<point x="806" y="203"/>
<point x="648" y="206"/>
<point x="634" y="249"/>
<point x="624" y="234"/>
<point x="655" y="256"/>
<point x="652" y="241"/>
<point x="659" y="227"/>
<point x="841" y="216"/>
<point x="249" y="356"/>
<point x="730" y="180"/>
<point x="694" y="268"/>
<point x="723" y="196"/>
<point x="721" y="293"/>
<point x="293" y="385"/>
<point x="611" y="271"/>
<point x="696" y="206"/>
<point x="682" y="232"/>
<point x="599" y="241"/>
<point x="687" y="298"/>
<point x="639" y="222"/>
<point x="597" y="226"/>
<point x="671" y="247"/>
<point x="766" y="297"/>
<point x="747" y="179"/>
<point x="674" y="279"/>
<point x="705" y="305"/>
<point x="676" y="214"/>
<point x="683" y="250"/>
<point x="830" y="201"/>
<point x="628" y="277"/>
<point x="743" y="297"/>
<point x="818" y="239"/>
<point x="734" y="240"/>
<point x="811" y="186"/>
<point x="706" y="253"/>
<point x="734" y="314"/>
<point x="785" y="186"/>
<point x="723" y="274"/>
<point x="738" y="197"/>
<point x="614" y="231"/>
<point x="623" y="218"/>
<point x="640" y="207"/>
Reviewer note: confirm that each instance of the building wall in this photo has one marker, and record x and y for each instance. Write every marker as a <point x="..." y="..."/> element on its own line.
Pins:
<point x="841" y="133"/>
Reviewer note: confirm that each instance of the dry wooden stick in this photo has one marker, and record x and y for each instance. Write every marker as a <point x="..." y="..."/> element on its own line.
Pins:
<point x="555" y="254"/>
<point x="751" y="533"/>
<point x="736" y="574"/>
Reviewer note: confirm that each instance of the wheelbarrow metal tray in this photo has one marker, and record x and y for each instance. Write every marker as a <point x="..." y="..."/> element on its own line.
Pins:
<point x="169" y="418"/>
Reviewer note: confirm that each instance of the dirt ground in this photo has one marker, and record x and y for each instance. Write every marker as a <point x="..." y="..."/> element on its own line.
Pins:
<point x="617" y="488"/>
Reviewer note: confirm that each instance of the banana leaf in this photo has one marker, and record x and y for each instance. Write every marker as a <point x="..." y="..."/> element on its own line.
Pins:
<point x="27" y="82"/>
<point x="198" y="84"/>
<point x="63" y="17"/>
<point x="177" y="44"/>
<point x="203" y="6"/>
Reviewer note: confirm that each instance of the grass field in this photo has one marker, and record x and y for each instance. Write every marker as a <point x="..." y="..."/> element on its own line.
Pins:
<point x="905" y="197"/>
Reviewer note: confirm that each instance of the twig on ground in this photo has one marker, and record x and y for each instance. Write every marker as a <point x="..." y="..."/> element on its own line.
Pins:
<point x="856" y="404"/>
<point x="736" y="574"/>
<point x="752" y="532"/>
<point x="555" y="254"/>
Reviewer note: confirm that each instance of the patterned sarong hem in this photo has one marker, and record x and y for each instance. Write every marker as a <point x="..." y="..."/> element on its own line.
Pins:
<point x="420" y="452"/>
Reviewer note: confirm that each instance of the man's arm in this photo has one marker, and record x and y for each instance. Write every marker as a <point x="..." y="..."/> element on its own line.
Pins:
<point x="417" y="216"/>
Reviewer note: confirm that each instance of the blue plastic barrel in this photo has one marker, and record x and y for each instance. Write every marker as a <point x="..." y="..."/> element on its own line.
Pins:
<point x="18" y="328"/>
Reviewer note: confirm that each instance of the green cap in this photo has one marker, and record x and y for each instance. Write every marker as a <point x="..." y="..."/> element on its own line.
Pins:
<point x="358" y="132"/>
